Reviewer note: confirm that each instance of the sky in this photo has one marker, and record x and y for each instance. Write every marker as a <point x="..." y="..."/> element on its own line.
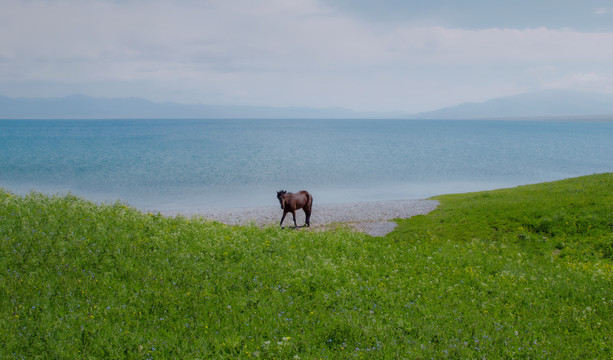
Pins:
<point x="364" y="55"/>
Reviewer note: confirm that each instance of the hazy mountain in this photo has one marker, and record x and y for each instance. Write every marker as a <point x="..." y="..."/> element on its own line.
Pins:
<point x="85" y="107"/>
<point x="552" y="103"/>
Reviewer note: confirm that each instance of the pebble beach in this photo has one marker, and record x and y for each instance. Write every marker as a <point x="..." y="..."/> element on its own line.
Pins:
<point x="373" y="217"/>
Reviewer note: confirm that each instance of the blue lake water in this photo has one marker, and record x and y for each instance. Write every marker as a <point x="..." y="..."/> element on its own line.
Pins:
<point x="191" y="164"/>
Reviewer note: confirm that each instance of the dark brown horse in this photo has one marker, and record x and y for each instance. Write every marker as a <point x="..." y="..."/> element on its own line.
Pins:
<point x="291" y="202"/>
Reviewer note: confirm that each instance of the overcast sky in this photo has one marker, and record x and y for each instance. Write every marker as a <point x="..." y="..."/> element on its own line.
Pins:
<point x="366" y="55"/>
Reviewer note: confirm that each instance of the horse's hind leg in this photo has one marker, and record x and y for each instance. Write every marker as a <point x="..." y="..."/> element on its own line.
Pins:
<point x="307" y="209"/>
<point x="307" y="214"/>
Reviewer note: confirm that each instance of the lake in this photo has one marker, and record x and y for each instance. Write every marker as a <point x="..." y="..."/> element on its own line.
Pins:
<point x="206" y="164"/>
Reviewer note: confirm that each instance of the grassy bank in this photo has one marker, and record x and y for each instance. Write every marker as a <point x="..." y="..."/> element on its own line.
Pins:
<point x="517" y="273"/>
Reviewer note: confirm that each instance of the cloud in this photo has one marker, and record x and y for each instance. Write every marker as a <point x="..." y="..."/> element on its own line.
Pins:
<point x="603" y="11"/>
<point x="270" y="35"/>
<point x="444" y="45"/>
<point x="591" y="81"/>
<point x="273" y="52"/>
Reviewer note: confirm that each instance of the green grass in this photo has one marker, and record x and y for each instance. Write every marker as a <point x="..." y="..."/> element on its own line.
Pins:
<point x="514" y="273"/>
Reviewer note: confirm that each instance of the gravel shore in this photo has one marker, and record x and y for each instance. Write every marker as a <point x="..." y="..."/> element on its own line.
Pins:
<point x="370" y="217"/>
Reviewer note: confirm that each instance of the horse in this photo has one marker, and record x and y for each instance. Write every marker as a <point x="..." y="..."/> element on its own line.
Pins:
<point x="291" y="202"/>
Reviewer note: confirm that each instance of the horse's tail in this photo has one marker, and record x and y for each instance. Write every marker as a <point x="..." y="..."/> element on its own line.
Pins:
<point x="309" y="201"/>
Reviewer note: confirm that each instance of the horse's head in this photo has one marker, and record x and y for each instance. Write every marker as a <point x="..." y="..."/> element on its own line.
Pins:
<point x="281" y="197"/>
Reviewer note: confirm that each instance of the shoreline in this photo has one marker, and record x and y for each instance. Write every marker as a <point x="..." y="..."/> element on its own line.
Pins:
<point x="372" y="217"/>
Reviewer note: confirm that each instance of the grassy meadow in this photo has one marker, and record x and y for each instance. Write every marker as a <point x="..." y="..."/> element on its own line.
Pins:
<point x="517" y="273"/>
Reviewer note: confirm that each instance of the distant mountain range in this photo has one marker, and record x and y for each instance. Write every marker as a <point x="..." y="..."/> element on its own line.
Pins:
<point x="85" y="107"/>
<point x="552" y="103"/>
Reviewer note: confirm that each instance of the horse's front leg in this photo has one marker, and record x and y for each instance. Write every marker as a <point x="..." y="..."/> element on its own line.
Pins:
<point x="294" y="216"/>
<point x="283" y="218"/>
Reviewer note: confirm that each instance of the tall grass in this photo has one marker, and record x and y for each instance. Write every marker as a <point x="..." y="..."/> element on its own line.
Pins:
<point x="516" y="273"/>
